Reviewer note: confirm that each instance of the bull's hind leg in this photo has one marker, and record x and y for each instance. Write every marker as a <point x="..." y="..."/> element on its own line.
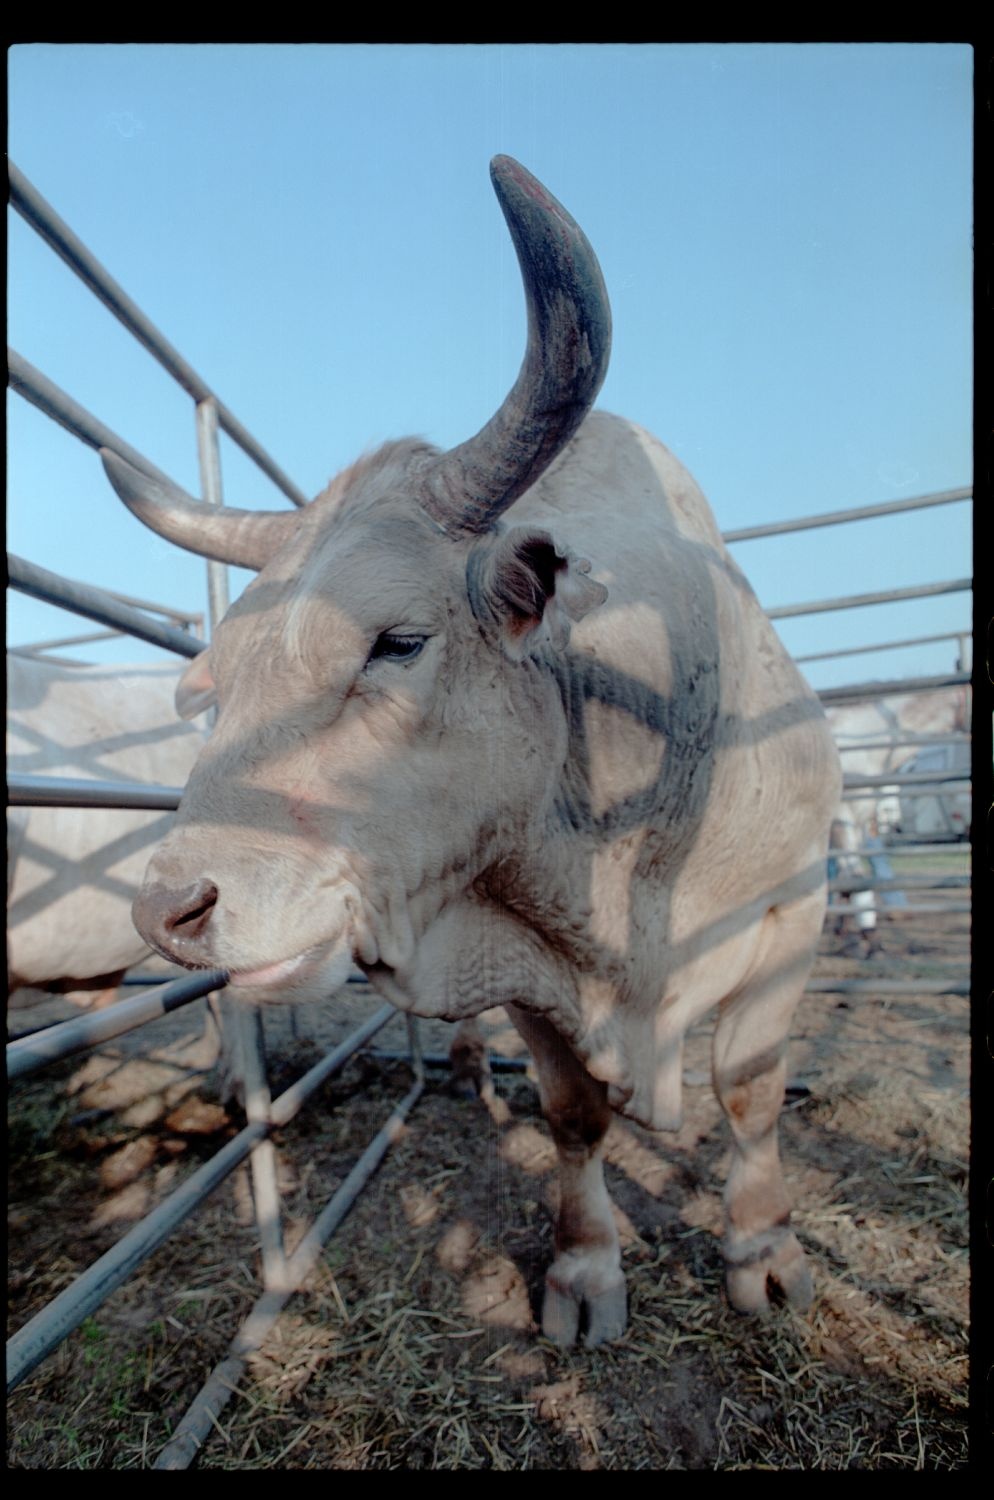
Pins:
<point x="585" y="1280"/>
<point x="749" y="1070"/>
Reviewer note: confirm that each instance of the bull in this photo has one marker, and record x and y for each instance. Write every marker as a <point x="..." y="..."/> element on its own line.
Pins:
<point x="558" y="762"/>
<point x="73" y="873"/>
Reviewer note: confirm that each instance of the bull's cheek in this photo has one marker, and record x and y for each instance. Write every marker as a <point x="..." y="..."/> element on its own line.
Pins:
<point x="331" y="974"/>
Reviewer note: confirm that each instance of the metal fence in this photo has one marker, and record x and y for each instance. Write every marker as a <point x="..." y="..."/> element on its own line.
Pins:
<point x="283" y="1273"/>
<point x="190" y="623"/>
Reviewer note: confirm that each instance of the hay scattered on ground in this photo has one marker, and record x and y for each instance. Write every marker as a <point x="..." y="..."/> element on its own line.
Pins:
<point x="415" y="1344"/>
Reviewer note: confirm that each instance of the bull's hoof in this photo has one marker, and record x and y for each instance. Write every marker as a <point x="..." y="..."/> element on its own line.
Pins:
<point x="602" y="1316"/>
<point x="759" y="1278"/>
<point x="470" y="1076"/>
<point x="464" y="1088"/>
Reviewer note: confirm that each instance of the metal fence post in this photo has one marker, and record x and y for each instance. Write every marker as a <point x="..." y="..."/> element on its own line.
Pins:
<point x="242" y="1035"/>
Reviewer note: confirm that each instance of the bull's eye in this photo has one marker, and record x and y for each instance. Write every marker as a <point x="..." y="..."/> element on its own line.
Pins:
<point x="390" y="647"/>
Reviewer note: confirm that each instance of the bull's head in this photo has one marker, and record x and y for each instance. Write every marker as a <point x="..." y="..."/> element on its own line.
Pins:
<point x="385" y="725"/>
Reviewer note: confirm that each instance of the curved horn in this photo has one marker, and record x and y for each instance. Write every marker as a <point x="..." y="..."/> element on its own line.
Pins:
<point x="247" y="538"/>
<point x="569" y="340"/>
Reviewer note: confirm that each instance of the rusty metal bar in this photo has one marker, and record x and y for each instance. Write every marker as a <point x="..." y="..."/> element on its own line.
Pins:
<point x="881" y="596"/>
<point x="56" y="233"/>
<point x="68" y="791"/>
<point x="69" y="1037"/>
<point x="97" y="604"/>
<point x="837" y="517"/>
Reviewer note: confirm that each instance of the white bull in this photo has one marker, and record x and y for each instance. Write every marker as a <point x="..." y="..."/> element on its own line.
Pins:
<point x="491" y="772"/>
<point x="73" y="873"/>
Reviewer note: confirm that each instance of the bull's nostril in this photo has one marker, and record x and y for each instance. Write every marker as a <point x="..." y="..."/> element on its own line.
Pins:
<point x="196" y="913"/>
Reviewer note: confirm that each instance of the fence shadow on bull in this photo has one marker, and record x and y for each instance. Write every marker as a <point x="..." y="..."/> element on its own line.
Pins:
<point x="284" y="1273"/>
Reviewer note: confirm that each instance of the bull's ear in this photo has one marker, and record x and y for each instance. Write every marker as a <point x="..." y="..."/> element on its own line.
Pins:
<point x="195" y="691"/>
<point x="528" y="589"/>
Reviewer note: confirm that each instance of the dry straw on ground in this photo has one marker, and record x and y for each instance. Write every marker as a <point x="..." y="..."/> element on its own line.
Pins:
<point x="414" y="1344"/>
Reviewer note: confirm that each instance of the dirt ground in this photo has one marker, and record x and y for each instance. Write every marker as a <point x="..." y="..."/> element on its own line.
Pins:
<point x="414" y="1343"/>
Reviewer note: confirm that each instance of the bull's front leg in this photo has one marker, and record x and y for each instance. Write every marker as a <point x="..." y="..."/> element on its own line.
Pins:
<point x="477" y="956"/>
<point x="585" y="1282"/>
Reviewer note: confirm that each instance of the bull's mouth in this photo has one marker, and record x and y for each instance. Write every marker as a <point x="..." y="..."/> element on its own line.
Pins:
<point x="271" y="974"/>
<point x="313" y="974"/>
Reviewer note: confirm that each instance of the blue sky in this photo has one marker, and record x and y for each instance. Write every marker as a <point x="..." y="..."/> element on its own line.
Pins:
<point x="785" y="233"/>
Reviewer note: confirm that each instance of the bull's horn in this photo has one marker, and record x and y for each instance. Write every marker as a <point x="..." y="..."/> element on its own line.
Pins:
<point x="246" y="538"/>
<point x="569" y="340"/>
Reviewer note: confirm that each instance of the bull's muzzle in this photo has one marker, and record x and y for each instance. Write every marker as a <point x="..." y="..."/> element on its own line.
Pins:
<point x="175" y="920"/>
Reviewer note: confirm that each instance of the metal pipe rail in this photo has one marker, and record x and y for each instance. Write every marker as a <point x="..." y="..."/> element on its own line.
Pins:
<point x="855" y="692"/>
<point x="916" y="909"/>
<point x="222" y="1383"/>
<point x="185" y="618"/>
<point x="879" y="596"/>
<point x="905" y="778"/>
<point x="889" y="986"/>
<point x="55" y="1322"/>
<point x="49" y="398"/>
<point x="98" y="604"/>
<point x="46" y="222"/>
<point x="89" y="1291"/>
<point x="916" y="741"/>
<point x="918" y="640"/>
<point x="849" y="883"/>
<point x="910" y="795"/>
<point x="67" y="791"/>
<point x="960" y="847"/>
<point x="39" y="1049"/>
<point x="188" y="620"/>
<point x="837" y="517"/>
